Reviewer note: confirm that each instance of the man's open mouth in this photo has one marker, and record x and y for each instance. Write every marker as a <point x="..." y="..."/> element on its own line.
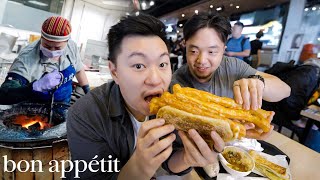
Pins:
<point x="149" y="97"/>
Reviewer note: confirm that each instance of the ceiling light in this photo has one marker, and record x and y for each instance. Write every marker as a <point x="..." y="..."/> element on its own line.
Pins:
<point x="180" y="25"/>
<point x="178" y="31"/>
<point x="38" y="3"/>
<point x="182" y="15"/>
<point x="314" y="8"/>
<point x="318" y="38"/>
<point x="237" y="7"/>
<point x="151" y="3"/>
<point x="219" y="8"/>
<point x="196" y="11"/>
<point x="211" y="6"/>
<point x="306" y="9"/>
<point x="143" y="5"/>
<point x="137" y="13"/>
<point x="231" y="5"/>
<point x="127" y="13"/>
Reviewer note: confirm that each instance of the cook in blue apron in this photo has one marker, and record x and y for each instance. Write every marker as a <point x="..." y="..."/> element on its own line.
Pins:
<point x="36" y="65"/>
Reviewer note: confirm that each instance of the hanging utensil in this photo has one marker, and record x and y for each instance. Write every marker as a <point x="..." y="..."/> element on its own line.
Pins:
<point x="52" y="99"/>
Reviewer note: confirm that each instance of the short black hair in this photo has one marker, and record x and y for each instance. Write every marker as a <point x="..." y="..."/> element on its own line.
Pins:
<point x="144" y="25"/>
<point x="238" y="23"/>
<point x="219" y="23"/>
<point x="259" y="34"/>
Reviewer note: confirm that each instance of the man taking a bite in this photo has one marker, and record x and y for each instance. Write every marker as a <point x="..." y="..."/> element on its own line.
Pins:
<point x="209" y="70"/>
<point x="112" y="121"/>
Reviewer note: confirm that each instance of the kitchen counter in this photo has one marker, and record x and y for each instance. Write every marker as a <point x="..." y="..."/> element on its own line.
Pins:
<point x="96" y="79"/>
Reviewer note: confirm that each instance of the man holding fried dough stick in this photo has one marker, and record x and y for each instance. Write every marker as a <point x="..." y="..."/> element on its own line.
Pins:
<point x="112" y="121"/>
<point x="209" y="70"/>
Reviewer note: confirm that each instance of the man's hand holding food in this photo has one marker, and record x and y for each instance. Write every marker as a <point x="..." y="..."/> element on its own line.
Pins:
<point x="153" y="147"/>
<point x="196" y="152"/>
<point x="248" y="92"/>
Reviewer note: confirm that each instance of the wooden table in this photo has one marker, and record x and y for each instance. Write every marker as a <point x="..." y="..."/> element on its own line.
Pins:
<point x="304" y="162"/>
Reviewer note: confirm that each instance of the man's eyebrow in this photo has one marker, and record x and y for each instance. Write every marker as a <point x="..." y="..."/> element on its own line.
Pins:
<point x="165" y="54"/>
<point x="214" y="47"/>
<point x="193" y="46"/>
<point x="137" y="54"/>
<point x="144" y="56"/>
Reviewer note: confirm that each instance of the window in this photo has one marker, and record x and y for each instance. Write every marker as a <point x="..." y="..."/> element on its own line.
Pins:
<point x="30" y="14"/>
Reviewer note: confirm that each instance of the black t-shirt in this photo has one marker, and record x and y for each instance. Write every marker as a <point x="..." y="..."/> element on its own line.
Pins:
<point x="255" y="46"/>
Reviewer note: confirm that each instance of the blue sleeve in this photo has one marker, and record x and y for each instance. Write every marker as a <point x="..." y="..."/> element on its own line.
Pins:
<point x="247" y="45"/>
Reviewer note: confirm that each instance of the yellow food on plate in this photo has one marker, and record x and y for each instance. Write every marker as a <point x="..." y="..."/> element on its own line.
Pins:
<point x="238" y="160"/>
<point x="268" y="168"/>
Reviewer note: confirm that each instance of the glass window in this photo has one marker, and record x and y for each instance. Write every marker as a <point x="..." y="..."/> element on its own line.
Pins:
<point x="30" y="14"/>
<point x="54" y="6"/>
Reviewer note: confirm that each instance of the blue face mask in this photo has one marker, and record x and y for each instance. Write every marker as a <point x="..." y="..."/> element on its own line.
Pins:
<point x="51" y="54"/>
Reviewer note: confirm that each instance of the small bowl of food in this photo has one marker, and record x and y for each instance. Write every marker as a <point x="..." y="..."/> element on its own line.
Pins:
<point x="236" y="161"/>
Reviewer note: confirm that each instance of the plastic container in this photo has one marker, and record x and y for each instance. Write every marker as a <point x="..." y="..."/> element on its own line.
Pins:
<point x="226" y="164"/>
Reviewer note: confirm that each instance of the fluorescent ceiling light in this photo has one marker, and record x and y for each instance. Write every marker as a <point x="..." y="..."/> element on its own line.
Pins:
<point x="116" y="3"/>
<point x="219" y="8"/>
<point x="237" y="7"/>
<point x="314" y="8"/>
<point x="38" y="3"/>
<point x="306" y="9"/>
<point x="151" y="3"/>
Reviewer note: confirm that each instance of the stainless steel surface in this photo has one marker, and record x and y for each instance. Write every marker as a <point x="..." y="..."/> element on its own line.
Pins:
<point x="7" y="42"/>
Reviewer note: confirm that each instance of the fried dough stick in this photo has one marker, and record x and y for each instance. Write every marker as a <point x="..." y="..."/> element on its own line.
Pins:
<point x="226" y="112"/>
<point x="194" y="108"/>
<point x="224" y="101"/>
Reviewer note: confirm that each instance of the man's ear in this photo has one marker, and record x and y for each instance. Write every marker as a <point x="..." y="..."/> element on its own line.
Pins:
<point x="113" y="71"/>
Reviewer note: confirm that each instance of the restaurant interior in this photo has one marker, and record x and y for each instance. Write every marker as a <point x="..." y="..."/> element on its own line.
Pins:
<point x="290" y="45"/>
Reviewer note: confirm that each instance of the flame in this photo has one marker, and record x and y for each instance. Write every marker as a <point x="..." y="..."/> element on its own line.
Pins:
<point x="27" y="121"/>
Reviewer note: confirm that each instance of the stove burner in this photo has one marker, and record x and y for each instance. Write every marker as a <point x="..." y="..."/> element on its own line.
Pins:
<point x="29" y="122"/>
